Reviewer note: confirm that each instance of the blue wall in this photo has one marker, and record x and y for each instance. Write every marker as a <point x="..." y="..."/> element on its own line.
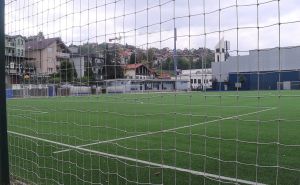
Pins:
<point x="267" y="80"/>
<point x="9" y="93"/>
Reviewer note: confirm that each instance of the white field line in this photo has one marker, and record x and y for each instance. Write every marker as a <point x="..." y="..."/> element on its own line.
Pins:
<point x="29" y="111"/>
<point x="167" y="130"/>
<point x="141" y="161"/>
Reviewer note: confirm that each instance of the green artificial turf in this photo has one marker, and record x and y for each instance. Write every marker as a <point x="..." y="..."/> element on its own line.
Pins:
<point x="253" y="136"/>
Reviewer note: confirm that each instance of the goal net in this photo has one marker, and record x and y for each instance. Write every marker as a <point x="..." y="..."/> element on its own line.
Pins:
<point x="153" y="91"/>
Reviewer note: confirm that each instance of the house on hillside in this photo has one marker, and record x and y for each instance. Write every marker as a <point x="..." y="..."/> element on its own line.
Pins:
<point x="17" y="66"/>
<point x="15" y="46"/>
<point x="125" y="56"/>
<point x="87" y="65"/>
<point x="47" y="54"/>
<point x="95" y="65"/>
<point x="163" y="75"/>
<point x="138" y="71"/>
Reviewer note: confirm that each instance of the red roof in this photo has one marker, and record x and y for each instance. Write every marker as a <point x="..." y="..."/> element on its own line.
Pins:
<point x="134" y="66"/>
<point x="164" y="75"/>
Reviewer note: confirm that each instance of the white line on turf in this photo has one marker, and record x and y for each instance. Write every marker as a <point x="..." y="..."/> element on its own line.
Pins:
<point x="30" y="111"/>
<point x="167" y="130"/>
<point x="235" y="180"/>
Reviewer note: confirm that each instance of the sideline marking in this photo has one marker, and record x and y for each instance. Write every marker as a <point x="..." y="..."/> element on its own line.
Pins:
<point x="30" y="111"/>
<point x="143" y="162"/>
<point x="167" y="130"/>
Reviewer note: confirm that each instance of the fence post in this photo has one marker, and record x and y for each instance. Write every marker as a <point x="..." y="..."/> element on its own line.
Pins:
<point x="4" y="166"/>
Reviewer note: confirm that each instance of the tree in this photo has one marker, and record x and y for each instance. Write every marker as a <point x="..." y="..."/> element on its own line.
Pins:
<point x="67" y="73"/>
<point x="89" y="74"/>
<point x="183" y="63"/>
<point x="112" y="65"/>
<point x="168" y="64"/>
<point x="132" y="59"/>
<point x="150" y="57"/>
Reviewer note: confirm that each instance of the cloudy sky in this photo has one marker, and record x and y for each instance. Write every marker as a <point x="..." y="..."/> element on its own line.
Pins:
<point x="147" y="23"/>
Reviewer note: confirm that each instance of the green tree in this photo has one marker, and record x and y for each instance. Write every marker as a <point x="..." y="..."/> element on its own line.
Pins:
<point x="168" y="64"/>
<point x="112" y="65"/>
<point x="67" y="73"/>
<point x="89" y="74"/>
<point x="132" y="59"/>
<point x="150" y="57"/>
<point x="183" y="63"/>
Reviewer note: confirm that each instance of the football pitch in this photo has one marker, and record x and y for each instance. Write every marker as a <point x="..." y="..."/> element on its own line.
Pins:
<point x="157" y="138"/>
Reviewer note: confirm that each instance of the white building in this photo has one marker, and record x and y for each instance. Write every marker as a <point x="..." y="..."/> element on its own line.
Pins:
<point x="15" y="46"/>
<point x="221" y="50"/>
<point x="199" y="79"/>
<point x="148" y="85"/>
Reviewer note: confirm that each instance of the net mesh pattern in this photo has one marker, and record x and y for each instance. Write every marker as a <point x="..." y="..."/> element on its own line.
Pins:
<point x="153" y="91"/>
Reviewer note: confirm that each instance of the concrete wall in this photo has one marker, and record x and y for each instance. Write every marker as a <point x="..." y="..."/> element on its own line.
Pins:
<point x="265" y="60"/>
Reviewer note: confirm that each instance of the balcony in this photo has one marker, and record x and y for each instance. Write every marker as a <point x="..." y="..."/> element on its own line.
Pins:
<point x="62" y="55"/>
<point x="9" y="44"/>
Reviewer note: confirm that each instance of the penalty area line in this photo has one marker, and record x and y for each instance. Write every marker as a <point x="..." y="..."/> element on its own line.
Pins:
<point x="204" y="174"/>
<point x="167" y="130"/>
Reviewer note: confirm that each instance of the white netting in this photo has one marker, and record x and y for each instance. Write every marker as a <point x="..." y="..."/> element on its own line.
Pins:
<point x="153" y="91"/>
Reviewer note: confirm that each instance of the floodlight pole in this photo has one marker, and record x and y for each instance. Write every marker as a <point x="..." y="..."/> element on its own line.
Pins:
<point x="175" y="57"/>
<point x="4" y="166"/>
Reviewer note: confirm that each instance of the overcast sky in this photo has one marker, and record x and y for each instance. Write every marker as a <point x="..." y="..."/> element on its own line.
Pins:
<point x="139" y="22"/>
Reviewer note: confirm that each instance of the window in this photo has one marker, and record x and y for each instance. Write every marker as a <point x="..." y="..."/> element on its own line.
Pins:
<point x="12" y="65"/>
<point x="195" y="81"/>
<point x="49" y="50"/>
<point x="191" y="81"/>
<point x="199" y="81"/>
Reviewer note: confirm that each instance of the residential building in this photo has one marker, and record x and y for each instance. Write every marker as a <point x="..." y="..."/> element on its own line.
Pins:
<point x="15" y="46"/>
<point x="86" y="64"/>
<point x="94" y="64"/>
<point x="47" y="54"/>
<point x="17" y="65"/>
<point x="163" y="75"/>
<point x="125" y="56"/>
<point x="138" y="71"/>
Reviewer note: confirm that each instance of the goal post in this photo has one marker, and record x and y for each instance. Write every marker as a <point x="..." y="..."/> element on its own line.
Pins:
<point x="4" y="160"/>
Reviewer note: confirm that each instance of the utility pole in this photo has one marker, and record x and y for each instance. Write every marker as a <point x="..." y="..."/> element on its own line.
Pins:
<point x="175" y="57"/>
<point x="4" y="166"/>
